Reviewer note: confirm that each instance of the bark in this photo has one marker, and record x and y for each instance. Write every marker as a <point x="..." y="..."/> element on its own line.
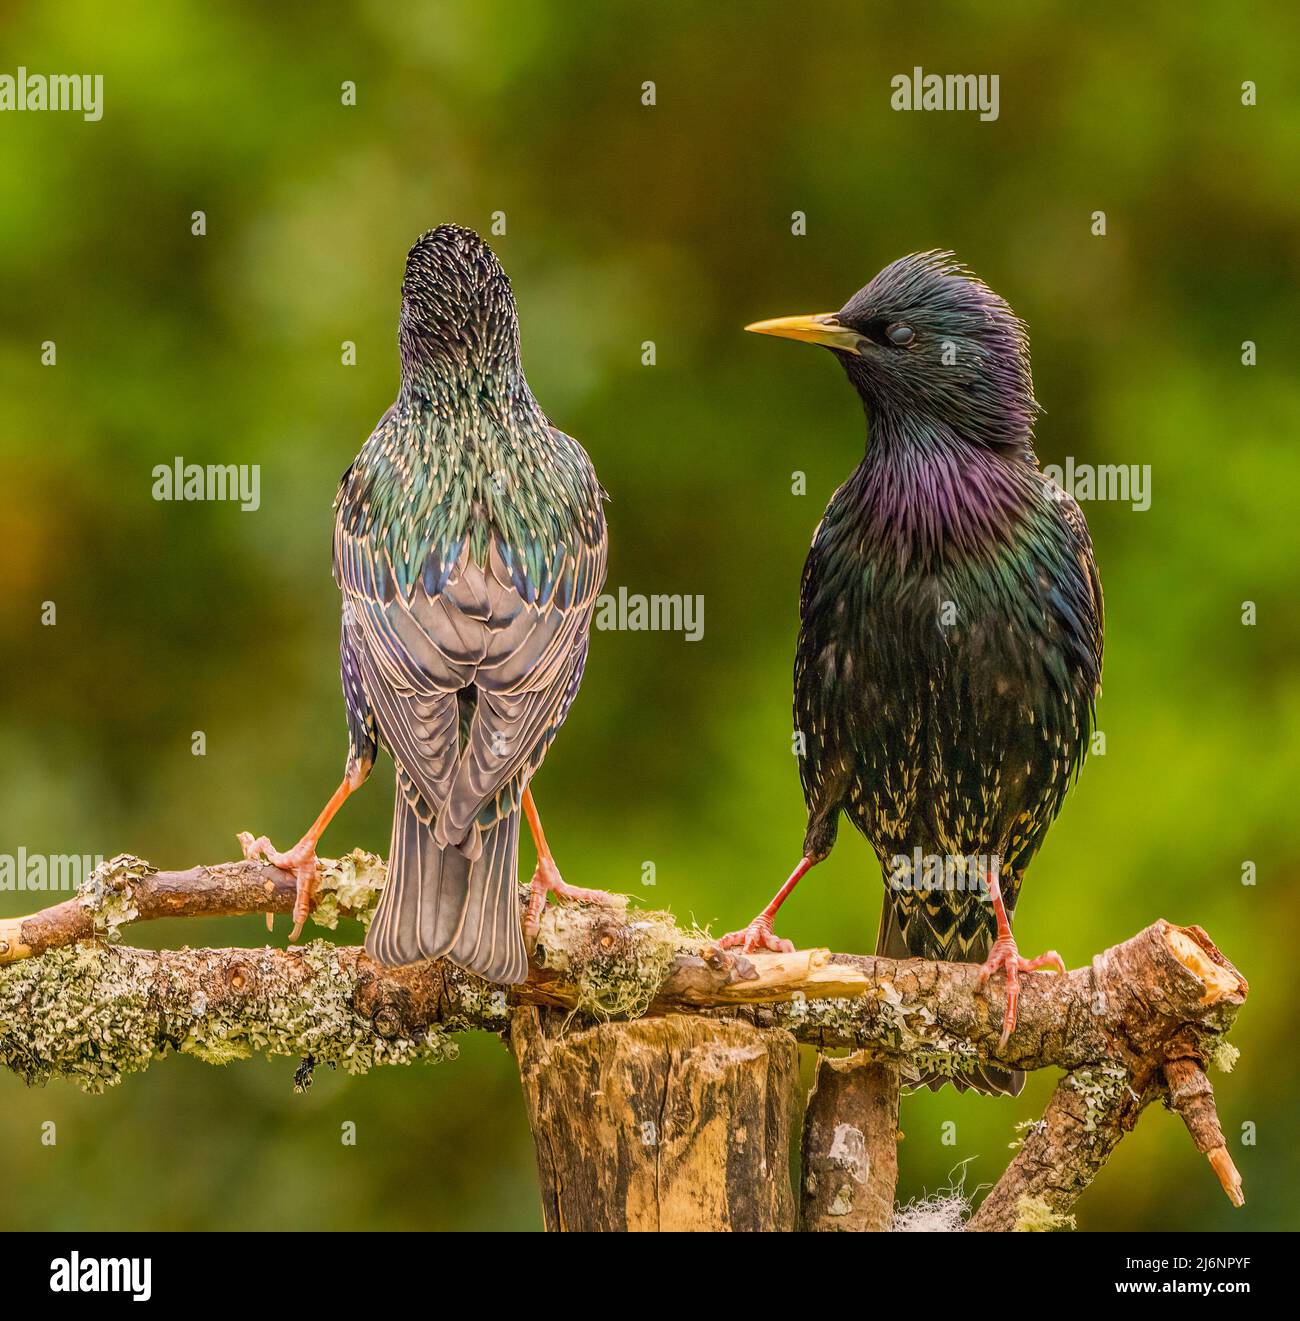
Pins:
<point x="849" y="1166"/>
<point x="665" y="1124"/>
<point x="127" y="889"/>
<point x="1089" y="1112"/>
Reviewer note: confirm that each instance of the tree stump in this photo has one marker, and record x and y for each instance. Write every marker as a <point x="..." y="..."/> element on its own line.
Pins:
<point x="849" y="1170"/>
<point x="664" y="1124"/>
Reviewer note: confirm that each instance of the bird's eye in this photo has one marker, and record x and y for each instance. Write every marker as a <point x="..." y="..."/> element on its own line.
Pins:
<point x="900" y="334"/>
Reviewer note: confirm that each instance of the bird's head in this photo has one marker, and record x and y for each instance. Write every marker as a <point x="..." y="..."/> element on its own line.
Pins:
<point x="928" y="343"/>
<point x="458" y="314"/>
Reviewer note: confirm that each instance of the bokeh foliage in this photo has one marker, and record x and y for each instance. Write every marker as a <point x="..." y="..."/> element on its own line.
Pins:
<point x="626" y="224"/>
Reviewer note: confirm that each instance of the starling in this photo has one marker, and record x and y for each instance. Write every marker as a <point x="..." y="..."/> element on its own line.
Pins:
<point x="949" y="653"/>
<point x="469" y="547"/>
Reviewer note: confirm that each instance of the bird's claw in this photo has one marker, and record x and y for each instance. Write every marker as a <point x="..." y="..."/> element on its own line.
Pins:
<point x="757" y="935"/>
<point x="1005" y="957"/>
<point x="547" y="880"/>
<point x="300" y="860"/>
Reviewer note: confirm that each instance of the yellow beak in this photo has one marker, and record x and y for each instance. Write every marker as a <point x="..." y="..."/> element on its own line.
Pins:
<point x="821" y="328"/>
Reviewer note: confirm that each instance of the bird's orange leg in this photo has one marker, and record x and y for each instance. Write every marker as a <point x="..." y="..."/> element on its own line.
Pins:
<point x="547" y="876"/>
<point x="300" y="860"/>
<point x="759" y="934"/>
<point x="1005" y="956"/>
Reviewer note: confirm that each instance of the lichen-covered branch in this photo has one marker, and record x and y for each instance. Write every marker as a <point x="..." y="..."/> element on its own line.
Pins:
<point x="1144" y="1021"/>
<point x="127" y="889"/>
<point x="92" y="1013"/>
<point x="1095" y="1104"/>
<point x="1091" y="1109"/>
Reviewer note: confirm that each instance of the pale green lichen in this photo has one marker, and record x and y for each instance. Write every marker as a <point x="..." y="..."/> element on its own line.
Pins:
<point x="318" y="1020"/>
<point x="70" y="1013"/>
<point x="908" y="1032"/>
<point x="479" y="1005"/>
<point x="89" y="1014"/>
<point x="615" y="970"/>
<point x="1222" y="1055"/>
<point x="1035" y="1216"/>
<point x="108" y="893"/>
<point x="349" y="886"/>
<point x="1027" y="1128"/>
<point x="1101" y="1086"/>
<point x="914" y="1034"/>
<point x="216" y="1048"/>
<point x="623" y="984"/>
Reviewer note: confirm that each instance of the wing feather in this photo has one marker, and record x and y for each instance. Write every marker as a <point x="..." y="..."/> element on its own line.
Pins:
<point x="513" y="629"/>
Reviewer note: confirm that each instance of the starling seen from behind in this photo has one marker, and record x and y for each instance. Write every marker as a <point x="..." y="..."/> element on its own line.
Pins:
<point x="469" y="547"/>
<point x="950" y="641"/>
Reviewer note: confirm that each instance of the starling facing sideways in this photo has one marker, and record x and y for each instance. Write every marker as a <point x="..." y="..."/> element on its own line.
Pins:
<point x="949" y="651"/>
<point x="469" y="545"/>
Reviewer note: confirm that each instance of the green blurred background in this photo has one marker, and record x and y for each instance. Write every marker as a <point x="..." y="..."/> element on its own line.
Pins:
<point x="628" y="223"/>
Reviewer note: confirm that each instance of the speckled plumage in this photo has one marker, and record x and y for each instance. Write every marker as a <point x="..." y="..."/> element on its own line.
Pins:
<point x="469" y="547"/>
<point x="950" y="646"/>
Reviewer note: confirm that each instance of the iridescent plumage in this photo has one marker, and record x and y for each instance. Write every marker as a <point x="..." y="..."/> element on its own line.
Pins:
<point x="469" y="546"/>
<point x="949" y="652"/>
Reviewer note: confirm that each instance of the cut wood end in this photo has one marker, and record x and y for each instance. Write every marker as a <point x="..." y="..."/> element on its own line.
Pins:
<point x="1219" y="982"/>
<point x="12" y="945"/>
<point x="782" y="976"/>
<point x="759" y="971"/>
<point x="1228" y="1174"/>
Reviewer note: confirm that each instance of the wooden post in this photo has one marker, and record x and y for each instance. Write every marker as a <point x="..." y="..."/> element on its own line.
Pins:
<point x="670" y="1123"/>
<point x="850" y="1151"/>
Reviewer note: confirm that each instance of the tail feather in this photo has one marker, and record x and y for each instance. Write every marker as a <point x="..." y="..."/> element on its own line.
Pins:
<point x="987" y="1079"/>
<point x="491" y="928"/>
<point x="439" y="902"/>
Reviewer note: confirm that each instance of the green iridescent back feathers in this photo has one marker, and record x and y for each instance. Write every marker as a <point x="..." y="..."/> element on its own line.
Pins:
<point x="465" y="455"/>
<point x="469" y="546"/>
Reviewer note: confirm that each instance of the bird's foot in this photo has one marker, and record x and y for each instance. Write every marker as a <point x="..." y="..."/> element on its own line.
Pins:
<point x="547" y="880"/>
<point x="757" y="935"/>
<point x="300" y="860"/>
<point x="1005" y="957"/>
